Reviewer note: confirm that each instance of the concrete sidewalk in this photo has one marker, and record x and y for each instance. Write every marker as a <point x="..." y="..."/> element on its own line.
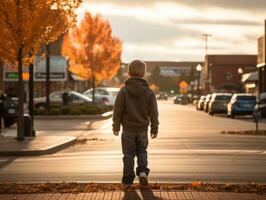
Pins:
<point x="36" y="146"/>
<point x="138" y="195"/>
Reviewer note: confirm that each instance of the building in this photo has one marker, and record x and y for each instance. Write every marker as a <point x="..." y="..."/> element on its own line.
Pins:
<point x="172" y="73"/>
<point x="261" y="62"/>
<point x="222" y="73"/>
<point x="60" y="77"/>
<point x="169" y="69"/>
<point x="250" y="82"/>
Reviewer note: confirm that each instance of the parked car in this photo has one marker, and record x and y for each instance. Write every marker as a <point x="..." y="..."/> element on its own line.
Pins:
<point x="162" y="96"/>
<point x="181" y="99"/>
<point x="206" y="102"/>
<point x="218" y="103"/>
<point x="241" y="104"/>
<point x="10" y="111"/>
<point x="56" y="99"/>
<point x="104" y="95"/>
<point x="261" y="104"/>
<point x="200" y="103"/>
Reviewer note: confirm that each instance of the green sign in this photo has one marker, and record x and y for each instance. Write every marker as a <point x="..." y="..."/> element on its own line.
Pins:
<point x="11" y="75"/>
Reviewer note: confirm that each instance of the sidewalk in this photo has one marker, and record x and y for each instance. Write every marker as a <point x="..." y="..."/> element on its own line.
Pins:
<point x="138" y="195"/>
<point x="39" y="145"/>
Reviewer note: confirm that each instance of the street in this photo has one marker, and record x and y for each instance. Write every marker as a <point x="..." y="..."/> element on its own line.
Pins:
<point x="189" y="148"/>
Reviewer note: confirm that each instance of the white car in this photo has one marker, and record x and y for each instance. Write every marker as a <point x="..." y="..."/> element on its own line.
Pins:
<point x="107" y="95"/>
<point x="56" y="99"/>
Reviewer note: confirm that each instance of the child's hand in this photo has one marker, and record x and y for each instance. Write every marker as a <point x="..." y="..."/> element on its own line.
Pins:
<point x="153" y="135"/>
<point x="116" y="133"/>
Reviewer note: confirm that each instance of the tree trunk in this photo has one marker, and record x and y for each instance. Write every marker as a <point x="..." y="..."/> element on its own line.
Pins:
<point x="31" y="90"/>
<point x="47" y="77"/>
<point x="2" y="86"/>
<point x="20" y="128"/>
<point x="93" y="89"/>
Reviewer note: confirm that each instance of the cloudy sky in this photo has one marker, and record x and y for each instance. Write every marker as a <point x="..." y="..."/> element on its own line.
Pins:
<point x="173" y="30"/>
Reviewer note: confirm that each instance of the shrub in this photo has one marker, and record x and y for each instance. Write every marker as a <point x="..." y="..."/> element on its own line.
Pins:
<point x="39" y="111"/>
<point x="75" y="111"/>
<point x="54" y="111"/>
<point x="65" y="110"/>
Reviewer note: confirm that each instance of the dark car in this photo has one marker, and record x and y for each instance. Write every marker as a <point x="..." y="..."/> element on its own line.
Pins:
<point x="206" y="102"/>
<point x="218" y="103"/>
<point x="10" y="111"/>
<point x="241" y="104"/>
<point x="200" y="103"/>
<point x="181" y="99"/>
<point x="162" y="96"/>
<point x="261" y="104"/>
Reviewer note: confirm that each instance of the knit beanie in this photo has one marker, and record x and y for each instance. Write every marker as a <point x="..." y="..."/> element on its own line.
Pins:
<point x="137" y="68"/>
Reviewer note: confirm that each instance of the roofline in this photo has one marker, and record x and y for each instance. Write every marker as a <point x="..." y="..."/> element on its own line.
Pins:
<point x="261" y="65"/>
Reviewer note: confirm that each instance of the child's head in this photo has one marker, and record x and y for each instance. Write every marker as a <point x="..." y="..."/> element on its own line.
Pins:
<point x="137" y="68"/>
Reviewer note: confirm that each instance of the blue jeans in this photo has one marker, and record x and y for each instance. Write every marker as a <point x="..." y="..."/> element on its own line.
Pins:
<point x="134" y="144"/>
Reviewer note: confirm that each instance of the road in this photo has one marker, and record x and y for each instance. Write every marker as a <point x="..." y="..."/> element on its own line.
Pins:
<point x="189" y="148"/>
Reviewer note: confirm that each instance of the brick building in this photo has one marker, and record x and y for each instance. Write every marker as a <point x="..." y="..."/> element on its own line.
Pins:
<point x="221" y="72"/>
<point x="174" y="72"/>
<point x="261" y="64"/>
<point x="171" y="69"/>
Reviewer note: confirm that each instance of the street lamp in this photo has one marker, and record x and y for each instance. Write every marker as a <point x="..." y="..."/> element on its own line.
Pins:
<point x="240" y="72"/>
<point x="199" y="69"/>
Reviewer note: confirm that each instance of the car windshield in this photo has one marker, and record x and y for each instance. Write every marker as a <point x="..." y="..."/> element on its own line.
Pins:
<point x="223" y="97"/>
<point x="246" y="98"/>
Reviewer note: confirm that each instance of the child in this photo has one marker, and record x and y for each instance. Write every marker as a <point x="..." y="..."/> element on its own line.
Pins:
<point x="135" y="107"/>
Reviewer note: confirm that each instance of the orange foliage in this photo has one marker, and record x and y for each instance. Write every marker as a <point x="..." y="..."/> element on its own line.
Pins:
<point x="26" y="25"/>
<point x="91" y="49"/>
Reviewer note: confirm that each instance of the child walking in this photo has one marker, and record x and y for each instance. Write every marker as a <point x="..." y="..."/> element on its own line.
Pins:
<point x="135" y="109"/>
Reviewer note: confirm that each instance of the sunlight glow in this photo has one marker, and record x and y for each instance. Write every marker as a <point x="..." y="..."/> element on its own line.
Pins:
<point x="232" y="29"/>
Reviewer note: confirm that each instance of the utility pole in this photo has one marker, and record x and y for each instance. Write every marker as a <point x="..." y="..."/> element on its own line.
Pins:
<point x="206" y="84"/>
<point x="206" y="37"/>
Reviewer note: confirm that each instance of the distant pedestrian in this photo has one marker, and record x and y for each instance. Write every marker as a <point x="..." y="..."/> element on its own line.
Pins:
<point x="135" y="108"/>
<point x="66" y="98"/>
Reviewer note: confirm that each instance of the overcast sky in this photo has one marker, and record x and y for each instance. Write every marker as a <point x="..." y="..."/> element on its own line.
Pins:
<point x="172" y="30"/>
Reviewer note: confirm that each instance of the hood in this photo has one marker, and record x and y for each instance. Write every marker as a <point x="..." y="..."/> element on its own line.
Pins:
<point x="136" y="86"/>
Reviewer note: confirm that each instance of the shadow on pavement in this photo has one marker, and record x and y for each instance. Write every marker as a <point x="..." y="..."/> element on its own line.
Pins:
<point x="6" y="162"/>
<point x="146" y="194"/>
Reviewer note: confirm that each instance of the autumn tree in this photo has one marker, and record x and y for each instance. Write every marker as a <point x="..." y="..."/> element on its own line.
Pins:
<point x="92" y="51"/>
<point x="25" y="26"/>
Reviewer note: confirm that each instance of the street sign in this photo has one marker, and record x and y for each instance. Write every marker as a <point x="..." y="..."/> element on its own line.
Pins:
<point x="58" y="70"/>
<point x="183" y="87"/>
<point x="183" y="84"/>
<point x="261" y="52"/>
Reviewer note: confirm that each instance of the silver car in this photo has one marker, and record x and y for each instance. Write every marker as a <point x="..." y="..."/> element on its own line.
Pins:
<point x="218" y="103"/>
<point x="56" y="99"/>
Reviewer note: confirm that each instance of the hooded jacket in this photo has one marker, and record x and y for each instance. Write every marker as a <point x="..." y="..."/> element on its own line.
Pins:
<point x="136" y="107"/>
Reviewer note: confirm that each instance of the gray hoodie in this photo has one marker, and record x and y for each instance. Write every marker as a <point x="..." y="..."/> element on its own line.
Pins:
<point x="136" y="107"/>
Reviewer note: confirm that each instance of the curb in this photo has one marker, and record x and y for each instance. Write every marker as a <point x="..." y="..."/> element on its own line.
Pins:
<point x="39" y="152"/>
<point x="103" y="116"/>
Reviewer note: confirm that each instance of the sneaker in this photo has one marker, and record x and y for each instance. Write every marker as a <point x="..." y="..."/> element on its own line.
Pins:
<point x="143" y="179"/>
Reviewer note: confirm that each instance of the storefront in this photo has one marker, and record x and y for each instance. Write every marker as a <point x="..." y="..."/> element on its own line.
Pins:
<point x="261" y="63"/>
